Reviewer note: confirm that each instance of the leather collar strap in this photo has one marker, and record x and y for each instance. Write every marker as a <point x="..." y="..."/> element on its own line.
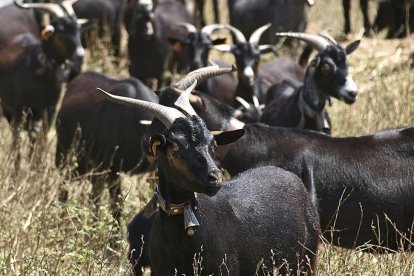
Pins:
<point x="174" y="209"/>
<point x="305" y="108"/>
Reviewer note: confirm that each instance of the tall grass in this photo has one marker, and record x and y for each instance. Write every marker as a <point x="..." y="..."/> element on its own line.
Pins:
<point x="40" y="235"/>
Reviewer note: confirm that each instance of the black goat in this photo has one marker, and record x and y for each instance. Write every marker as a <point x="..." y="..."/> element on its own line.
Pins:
<point x="102" y="136"/>
<point x="363" y="186"/>
<point x="327" y="76"/>
<point x="32" y="59"/>
<point x="185" y="152"/>
<point x="247" y="16"/>
<point x="149" y="28"/>
<point x="197" y="45"/>
<point x="103" y="17"/>
<point x="247" y="55"/>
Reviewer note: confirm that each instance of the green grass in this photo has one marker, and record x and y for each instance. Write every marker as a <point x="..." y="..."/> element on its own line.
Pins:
<point x="40" y="235"/>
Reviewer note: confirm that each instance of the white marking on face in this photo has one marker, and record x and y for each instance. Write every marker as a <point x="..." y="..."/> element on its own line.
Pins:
<point x="249" y="74"/>
<point x="80" y="52"/>
<point x="147" y="4"/>
<point x="349" y="85"/>
<point x="150" y="28"/>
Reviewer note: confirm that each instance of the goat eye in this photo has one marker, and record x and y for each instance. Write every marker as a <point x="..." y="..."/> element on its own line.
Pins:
<point x="175" y="148"/>
<point x="326" y="68"/>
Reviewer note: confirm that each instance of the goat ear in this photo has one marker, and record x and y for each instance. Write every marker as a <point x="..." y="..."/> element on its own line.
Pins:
<point x="155" y="141"/>
<point x="176" y="44"/>
<point x="197" y="101"/>
<point x="218" y="41"/>
<point x="352" y="47"/>
<point x="227" y="137"/>
<point x="47" y="32"/>
<point x="264" y="49"/>
<point x="315" y="62"/>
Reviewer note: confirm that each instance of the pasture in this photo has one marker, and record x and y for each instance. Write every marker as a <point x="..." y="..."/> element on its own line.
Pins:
<point x="40" y="235"/>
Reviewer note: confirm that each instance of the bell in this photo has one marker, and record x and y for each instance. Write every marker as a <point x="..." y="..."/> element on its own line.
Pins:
<point x="190" y="221"/>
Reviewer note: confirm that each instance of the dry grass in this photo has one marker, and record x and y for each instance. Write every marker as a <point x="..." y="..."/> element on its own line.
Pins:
<point x="42" y="236"/>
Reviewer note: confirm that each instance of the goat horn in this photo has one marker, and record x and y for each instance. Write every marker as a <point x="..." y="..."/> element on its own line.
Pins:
<point x="255" y="37"/>
<point x="49" y="7"/>
<point x="325" y="34"/>
<point x="256" y="102"/>
<point x="316" y="41"/>
<point x="183" y="101"/>
<point x="202" y="74"/>
<point x="238" y="35"/>
<point x="68" y="6"/>
<point x="167" y="115"/>
<point x="310" y="2"/>
<point x="243" y="102"/>
<point x="189" y="27"/>
<point x="209" y="29"/>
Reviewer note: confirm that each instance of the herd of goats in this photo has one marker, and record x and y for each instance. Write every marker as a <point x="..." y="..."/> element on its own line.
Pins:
<point x="266" y="130"/>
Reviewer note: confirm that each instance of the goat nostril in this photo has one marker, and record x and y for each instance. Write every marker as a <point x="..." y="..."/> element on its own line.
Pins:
<point x="214" y="175"/>
<point x="352" y="93"/>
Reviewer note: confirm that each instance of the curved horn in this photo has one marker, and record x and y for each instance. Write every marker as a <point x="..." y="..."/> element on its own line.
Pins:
<point x="238" y="35"/>
<point x="68" y="6"/>
<point x="243" y="102"/>
<point x="202" y="74"/>
<point x="183" y="101"/>
<point x="256" y="102"/>
<point x="209" y="29"/>
<point x="189" y="27"/>
<point x="167" y="115"/>
<point x="325" y="34"/>
<point x="49" y="7"/>
<point x="310" y="2"/>
<point x="317" y="42"/>
<point x="255" y="37"/>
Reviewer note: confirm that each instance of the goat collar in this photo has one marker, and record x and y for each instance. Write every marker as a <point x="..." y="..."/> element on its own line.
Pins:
<point x="307" y="111"/>
<point x="190" y="220"/>
<point x="171" y="209"/>
<point x="305" y="108"/>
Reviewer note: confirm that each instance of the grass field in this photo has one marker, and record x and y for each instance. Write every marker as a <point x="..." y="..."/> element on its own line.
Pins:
<point x="39" y="235"/>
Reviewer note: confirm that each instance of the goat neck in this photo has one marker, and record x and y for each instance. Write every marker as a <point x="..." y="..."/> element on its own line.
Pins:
<point x="314" y="99"/>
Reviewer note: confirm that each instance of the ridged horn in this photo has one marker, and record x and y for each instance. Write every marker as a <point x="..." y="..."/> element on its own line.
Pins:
<point x="316" y="41"/>
<point x="201" y="74"/>
<point x="209" y="29"/>
<point x="183" y="101"/>
<point x="68" y="6"/>
<point x="189" y="27"/>
<point x="52" y="8"/>
<point x="238" y="35"/>
<point x="255" y="37"/>
<point x="167" y="115"/>
<point x="325" y="34"/>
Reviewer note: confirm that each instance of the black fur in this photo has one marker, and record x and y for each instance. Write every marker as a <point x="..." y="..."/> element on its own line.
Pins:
<point x="248" y="15"/>
<point x="31" y="73"/>
<point x="103" y="136"/>
<point x="371" y="172"/>
<point x="364" y="9"/>
<point x="148" y="53"/>
<point x="259" y="211"/>
<point x="304" y="106"/>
